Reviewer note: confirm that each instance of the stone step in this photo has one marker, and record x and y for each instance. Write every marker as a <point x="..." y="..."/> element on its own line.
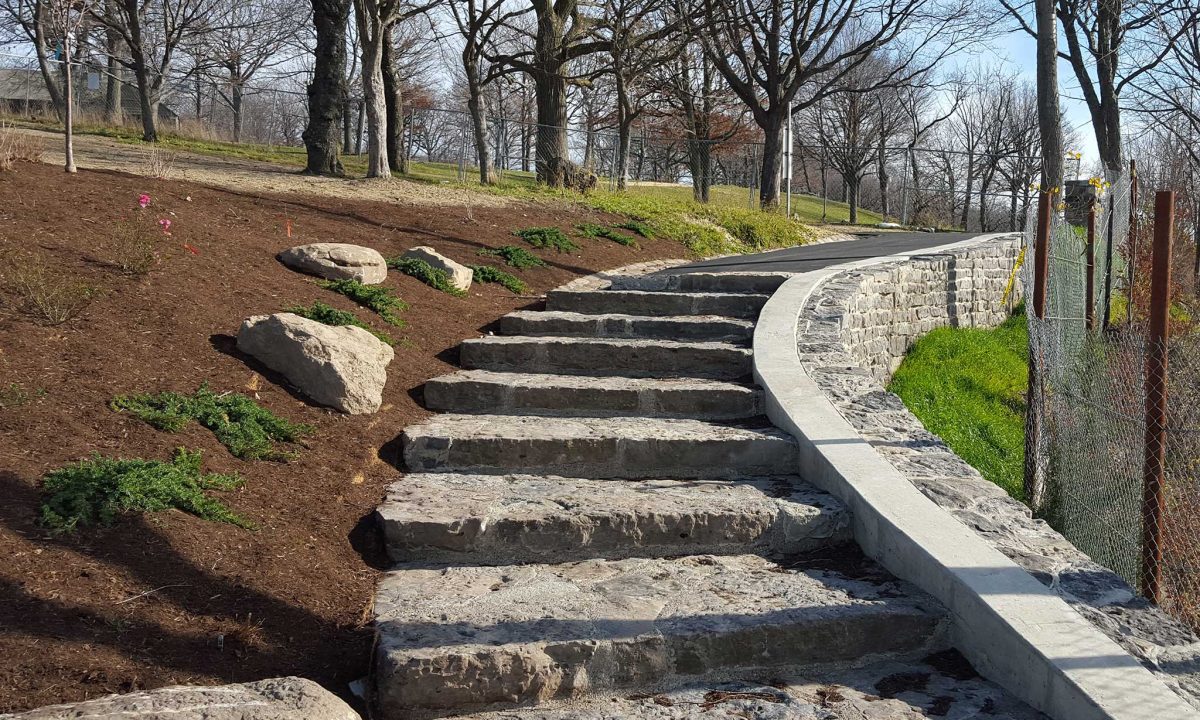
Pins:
<point x="484" y="391"/>
<point x="710" y="328"/>
<point x="671" y="280"/>
<point x="941" y="685"/>
<point x="596" y="447"/>
<point x="606" y="356"/>
<point x="512" y="519"/>
<point x="461" y="639"/>
<point x="639" y="302"/>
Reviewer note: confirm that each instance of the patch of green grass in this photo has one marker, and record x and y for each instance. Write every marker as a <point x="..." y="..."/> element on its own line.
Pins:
<point x="490" y="274"/>
<point x="249" y="430"/>
<point x="433" y="277"/>
<point x="96" y="490"/>
<point x="545" y="238"/>
<point x="374" y="297"/>
<point x="514" y="256"/>
<point x="638" y="227"/>
<point x="968" y="387"/>
<point x="329" y="315"/>
<point x="16" y="395"/>
<point x="593" y="230"/>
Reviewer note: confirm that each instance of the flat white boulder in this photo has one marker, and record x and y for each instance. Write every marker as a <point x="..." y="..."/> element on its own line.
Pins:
<point x="337" y="261"/>
<point x="341" y="367"/>
<point x="287" y="698"/>
<point x="460" y="275"/>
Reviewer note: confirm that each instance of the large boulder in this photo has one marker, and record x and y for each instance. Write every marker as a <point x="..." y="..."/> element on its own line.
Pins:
<point x="337" y="261"/>
<point x="460" y="275"/>
<point x="288" y="698"/>
<point x="342" y="367"/>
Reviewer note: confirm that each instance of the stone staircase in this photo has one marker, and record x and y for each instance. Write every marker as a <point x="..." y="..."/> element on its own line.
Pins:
<point x="603" y="521"/>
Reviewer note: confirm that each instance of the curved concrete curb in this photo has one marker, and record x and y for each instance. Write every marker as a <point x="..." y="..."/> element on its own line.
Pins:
<point x="1014" y="630"/>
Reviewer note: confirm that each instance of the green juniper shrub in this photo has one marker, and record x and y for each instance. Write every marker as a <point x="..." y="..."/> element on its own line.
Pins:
<point x="490" y="274"/>
<point x="639" y="227"/>
<point x="249" y="430"/>
<point x="375" y="297"/>
<point x="545" y="238"/>
<point x="593" y="230"/>
<point x="420" y="269"/>
<point x="329" y="315"/>
<point x="514" y="256"/>
<point x="96" y="490"/>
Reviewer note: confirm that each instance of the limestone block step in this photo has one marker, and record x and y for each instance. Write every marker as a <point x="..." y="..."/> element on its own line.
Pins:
<point x="605" y="356"/>
<point x="484" y="391"/>
<point x="638" y="302"/>
<point x="942" y="685"/>
<point x="720" y="282"/>
<point x="459" y="639"/>
<point x="503" y="519"/>
<point x="596" y="447"/>
<point x="712" y="328"/>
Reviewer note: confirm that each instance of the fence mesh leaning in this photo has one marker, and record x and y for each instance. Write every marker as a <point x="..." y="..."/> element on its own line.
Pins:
<point x="1096" y="424"/>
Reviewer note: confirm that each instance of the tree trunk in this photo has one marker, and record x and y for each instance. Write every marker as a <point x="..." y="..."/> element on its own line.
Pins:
<point x="358" y="127"/>
<point x="772" y="161"/>
<point x="113" y="112"/>
<point x="1049" y="117"/>
<point x="699" y="156"/>
<point x="966" y="209"/>
<point x="68" y="109"/>
<point x="236" y="96"/>
<point x="853" y="185"/>
<point x="145" y="101"/>
<point x="371" y="37"/>
<point x="479" y="124"/>
<point x="327" y="91"/>
<point x="550" y="89"/>
<point x="624" y="136"/>
<point x="39" y="41"/>
<point x="395" y="117"/>
<point x="884" y="179"/>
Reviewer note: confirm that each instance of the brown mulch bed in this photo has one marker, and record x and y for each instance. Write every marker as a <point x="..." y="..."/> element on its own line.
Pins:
<point x="168" y="598"/>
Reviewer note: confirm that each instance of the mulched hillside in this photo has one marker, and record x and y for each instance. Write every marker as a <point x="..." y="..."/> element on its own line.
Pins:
<point x="168" y="598"/>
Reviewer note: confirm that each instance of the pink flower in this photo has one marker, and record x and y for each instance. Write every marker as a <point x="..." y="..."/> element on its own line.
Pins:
<point x="143" y="201"/>
<point x="165" y="224"/>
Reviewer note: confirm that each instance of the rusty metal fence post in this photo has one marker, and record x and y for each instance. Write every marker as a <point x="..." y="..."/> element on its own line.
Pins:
<point x="1035" y="479"/>
<point x="1156" y="398"/>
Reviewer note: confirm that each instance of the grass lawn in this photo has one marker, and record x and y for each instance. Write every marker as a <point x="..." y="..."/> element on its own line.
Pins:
<point x="968" y="387"/>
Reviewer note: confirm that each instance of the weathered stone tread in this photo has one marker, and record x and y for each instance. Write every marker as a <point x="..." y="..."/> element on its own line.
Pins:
<point x="485" y="391"/>
<point x="466" y="638"/>
<point x="606" y="356"/>
<point x="596" y="447"/>
<point x="503" y="519"/>
<point x="616" y="325"/>
<point x="637" y="302"/>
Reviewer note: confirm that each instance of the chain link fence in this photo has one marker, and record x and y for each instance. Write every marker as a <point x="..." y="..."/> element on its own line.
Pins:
<point x="1115" y="452"/>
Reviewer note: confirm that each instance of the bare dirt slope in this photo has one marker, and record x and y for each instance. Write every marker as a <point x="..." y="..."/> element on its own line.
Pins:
<point x="168" y="598"/>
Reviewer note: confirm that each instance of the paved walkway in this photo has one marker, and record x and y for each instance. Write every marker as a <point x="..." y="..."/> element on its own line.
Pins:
<point x="815" y="257"/>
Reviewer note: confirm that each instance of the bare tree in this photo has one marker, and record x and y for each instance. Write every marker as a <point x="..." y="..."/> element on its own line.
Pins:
<point x="478" y="22"/>
<point x="327" y="89"/>
<point x="777" y="54"/>
<point x="248" y="36"/>
<point x="153" y="31"/>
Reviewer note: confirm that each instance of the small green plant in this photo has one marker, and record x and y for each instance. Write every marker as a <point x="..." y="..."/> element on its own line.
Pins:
<point x="329" y="315"/>
<point x="547" y="238"/>
<point x="593" y="230"/>
<point x="514" y="256"/>
<point x="46" y="293"/>
<point x="375" y="297"/>
<point x="639" y="227"/>
<point x="16" y="395"/>
<point x="420" y="269"/>
<point x="249" y="430"/>
<point x="98" y="489"/>
<point x="490" y="274"/>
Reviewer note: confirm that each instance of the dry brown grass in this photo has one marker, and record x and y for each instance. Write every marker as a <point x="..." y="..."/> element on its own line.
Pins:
<point x="17" y="146"/>
<point x="46" y="293"/>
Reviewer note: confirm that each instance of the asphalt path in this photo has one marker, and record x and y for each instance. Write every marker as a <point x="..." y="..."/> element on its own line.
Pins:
<point x="814" y="257"/>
